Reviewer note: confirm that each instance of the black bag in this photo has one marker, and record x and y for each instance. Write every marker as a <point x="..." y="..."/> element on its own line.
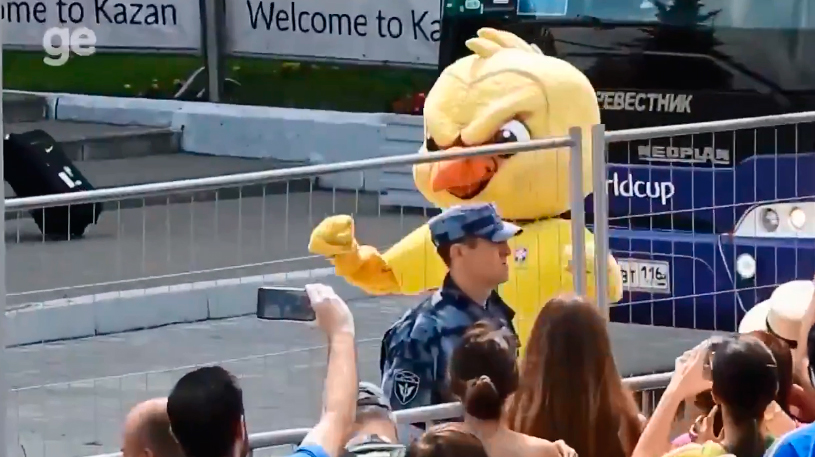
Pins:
<point x="35" y="165"/>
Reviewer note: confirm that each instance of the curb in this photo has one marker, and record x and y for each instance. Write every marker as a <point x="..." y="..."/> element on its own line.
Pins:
<point x="139" y="309"/>
<point x="285" y="134"/>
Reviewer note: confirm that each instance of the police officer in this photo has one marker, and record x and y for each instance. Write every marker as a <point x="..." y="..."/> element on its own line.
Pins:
<point x="472" y="241"/>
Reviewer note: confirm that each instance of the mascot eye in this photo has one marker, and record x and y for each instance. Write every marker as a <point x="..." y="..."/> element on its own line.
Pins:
<point x="511" y="132"/>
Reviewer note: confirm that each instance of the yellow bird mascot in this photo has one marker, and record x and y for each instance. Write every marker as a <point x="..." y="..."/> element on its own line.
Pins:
<point x="507" y="91"/>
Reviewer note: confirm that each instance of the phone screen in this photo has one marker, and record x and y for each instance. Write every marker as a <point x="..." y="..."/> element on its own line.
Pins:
<point x="284" y="304"/>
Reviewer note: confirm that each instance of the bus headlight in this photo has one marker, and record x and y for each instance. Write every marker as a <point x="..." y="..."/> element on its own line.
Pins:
<point x="769" y="218"/>
<point x="778" y="220"/>
<point x="798" y="218"/>
<point x="746" y="266"/>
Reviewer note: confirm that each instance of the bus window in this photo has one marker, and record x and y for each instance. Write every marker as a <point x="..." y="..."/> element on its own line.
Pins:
<point x="740" y="14"/>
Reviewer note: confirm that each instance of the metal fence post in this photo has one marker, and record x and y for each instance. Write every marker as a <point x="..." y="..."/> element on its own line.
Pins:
<point x="3" y="364"/>
<point x="213" y="34"/>
<point x="599" y="178"/>
<point x="578" y="211"/>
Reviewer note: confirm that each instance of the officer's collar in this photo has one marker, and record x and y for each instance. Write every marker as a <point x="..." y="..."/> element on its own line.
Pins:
<point x="494" y="301"/>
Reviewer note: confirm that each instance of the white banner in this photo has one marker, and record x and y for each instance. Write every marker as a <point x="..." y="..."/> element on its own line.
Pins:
<point x="152" y="24"/>
<point x="398" y="31"/>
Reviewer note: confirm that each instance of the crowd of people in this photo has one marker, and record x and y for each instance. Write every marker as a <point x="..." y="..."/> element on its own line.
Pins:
<point x="558" y="394"/>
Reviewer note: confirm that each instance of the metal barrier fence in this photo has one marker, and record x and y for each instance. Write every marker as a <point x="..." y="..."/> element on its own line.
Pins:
<point x="259" y="223"/>
<point x="172" y="239"/>
<point x="178" y="231"/>
<point x="723" y="224"/>
<point x="85" y="417"/>
<point x="198" y="230"/>
<point x="281" y="392"/>
<point x="646" y="385"/>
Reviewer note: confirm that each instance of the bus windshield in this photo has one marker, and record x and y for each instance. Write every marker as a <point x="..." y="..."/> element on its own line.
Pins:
<point x="739" y="47"/>
<point x="749" y="14"/>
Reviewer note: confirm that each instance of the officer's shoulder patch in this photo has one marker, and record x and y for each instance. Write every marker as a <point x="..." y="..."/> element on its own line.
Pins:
<point x="405" y="386"/>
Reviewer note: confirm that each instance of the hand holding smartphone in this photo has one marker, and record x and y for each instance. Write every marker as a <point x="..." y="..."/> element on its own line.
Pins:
<point x="284" y="304"/>
<point x="315" y="302"/>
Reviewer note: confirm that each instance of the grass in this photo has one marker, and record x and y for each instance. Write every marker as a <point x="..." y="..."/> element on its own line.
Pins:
<point x="262" y="82"/>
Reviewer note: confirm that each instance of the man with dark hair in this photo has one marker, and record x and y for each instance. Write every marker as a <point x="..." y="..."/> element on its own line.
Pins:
<point x="206" y="414"/>
<point x="472" y="241"/>
<point x="206" y="405"/>
<point x="147" y="431"/>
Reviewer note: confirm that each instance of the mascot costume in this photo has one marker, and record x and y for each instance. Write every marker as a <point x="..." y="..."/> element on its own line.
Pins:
<point x="507" y="91"/>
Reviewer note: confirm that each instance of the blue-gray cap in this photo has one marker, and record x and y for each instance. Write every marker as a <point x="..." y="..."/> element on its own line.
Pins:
<point x="369" y="394"/>
<point x="479" y="220"/>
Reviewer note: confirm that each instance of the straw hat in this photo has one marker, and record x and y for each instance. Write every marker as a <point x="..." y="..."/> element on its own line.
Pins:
<point x="782" y="313"/>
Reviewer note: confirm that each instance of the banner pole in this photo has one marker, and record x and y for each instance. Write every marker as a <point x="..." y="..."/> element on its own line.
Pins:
<point x="212" y="33"/>
<point x="3" y="364"/>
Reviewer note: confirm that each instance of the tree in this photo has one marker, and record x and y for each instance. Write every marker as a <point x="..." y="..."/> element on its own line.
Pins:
<point x="683" y="13"/>
<point x="683" y="27"/>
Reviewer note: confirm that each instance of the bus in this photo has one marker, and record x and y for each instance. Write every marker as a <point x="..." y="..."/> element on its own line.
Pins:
<point x="704" y="226"/>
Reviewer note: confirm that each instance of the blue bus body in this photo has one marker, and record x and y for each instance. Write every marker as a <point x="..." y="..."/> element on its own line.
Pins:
<point x="705" y="290"/>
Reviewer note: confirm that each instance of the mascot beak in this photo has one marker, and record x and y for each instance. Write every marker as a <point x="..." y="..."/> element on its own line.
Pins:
<point x="462" y="173"/>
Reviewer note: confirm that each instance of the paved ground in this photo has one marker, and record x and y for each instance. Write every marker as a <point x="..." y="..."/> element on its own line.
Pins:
<point x="51" y="416"/>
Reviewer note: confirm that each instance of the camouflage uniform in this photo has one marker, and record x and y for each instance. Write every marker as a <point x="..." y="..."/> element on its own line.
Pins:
<point x="416" y="349"/>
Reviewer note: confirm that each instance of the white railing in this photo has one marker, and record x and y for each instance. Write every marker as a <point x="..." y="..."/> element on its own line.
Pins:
<point x="425" y="414"/>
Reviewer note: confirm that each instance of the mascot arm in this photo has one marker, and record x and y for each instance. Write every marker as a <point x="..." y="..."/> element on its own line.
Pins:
<point x="410" y="266"/>
<point x="415" y="263"/>
<point x="615" y="280"/>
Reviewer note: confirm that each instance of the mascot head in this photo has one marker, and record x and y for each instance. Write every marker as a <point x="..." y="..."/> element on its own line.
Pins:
<point x="507" y="91"/>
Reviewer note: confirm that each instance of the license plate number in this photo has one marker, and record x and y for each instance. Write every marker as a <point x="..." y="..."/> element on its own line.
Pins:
<point x="646" y="275"/>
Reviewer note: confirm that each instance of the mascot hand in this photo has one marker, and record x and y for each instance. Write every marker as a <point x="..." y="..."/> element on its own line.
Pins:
<point x="362" y="266"/>
<point x="334" y="236"/>
<point x="615" y="286"/>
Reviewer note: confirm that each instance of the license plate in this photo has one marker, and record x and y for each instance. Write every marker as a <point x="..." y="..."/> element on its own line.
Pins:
<point x="646" y="275"/>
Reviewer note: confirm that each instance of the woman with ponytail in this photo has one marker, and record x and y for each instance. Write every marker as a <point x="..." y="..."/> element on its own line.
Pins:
<point x="483" y="374"/>
<point x="743" y="378"/>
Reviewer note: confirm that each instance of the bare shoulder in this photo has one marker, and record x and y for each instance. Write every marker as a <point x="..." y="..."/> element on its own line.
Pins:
<point x="541" y="447"/>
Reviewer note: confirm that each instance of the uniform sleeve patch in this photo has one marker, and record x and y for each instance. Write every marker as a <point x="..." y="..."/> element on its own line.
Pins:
<point x="405" y="386"/>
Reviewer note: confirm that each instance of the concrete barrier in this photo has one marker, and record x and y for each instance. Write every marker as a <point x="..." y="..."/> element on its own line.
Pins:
<point x="259" y="132"/>
<point x="130" y="310"/>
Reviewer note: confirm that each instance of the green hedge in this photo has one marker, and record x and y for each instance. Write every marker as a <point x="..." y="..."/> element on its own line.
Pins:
<point x="262" y="82"/>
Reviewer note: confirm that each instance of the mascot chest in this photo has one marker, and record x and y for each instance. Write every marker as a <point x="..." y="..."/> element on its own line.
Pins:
<point x="538" y="269"/>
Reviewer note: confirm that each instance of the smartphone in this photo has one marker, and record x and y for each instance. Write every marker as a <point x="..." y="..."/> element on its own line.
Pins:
<point x="284" y="304"/>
